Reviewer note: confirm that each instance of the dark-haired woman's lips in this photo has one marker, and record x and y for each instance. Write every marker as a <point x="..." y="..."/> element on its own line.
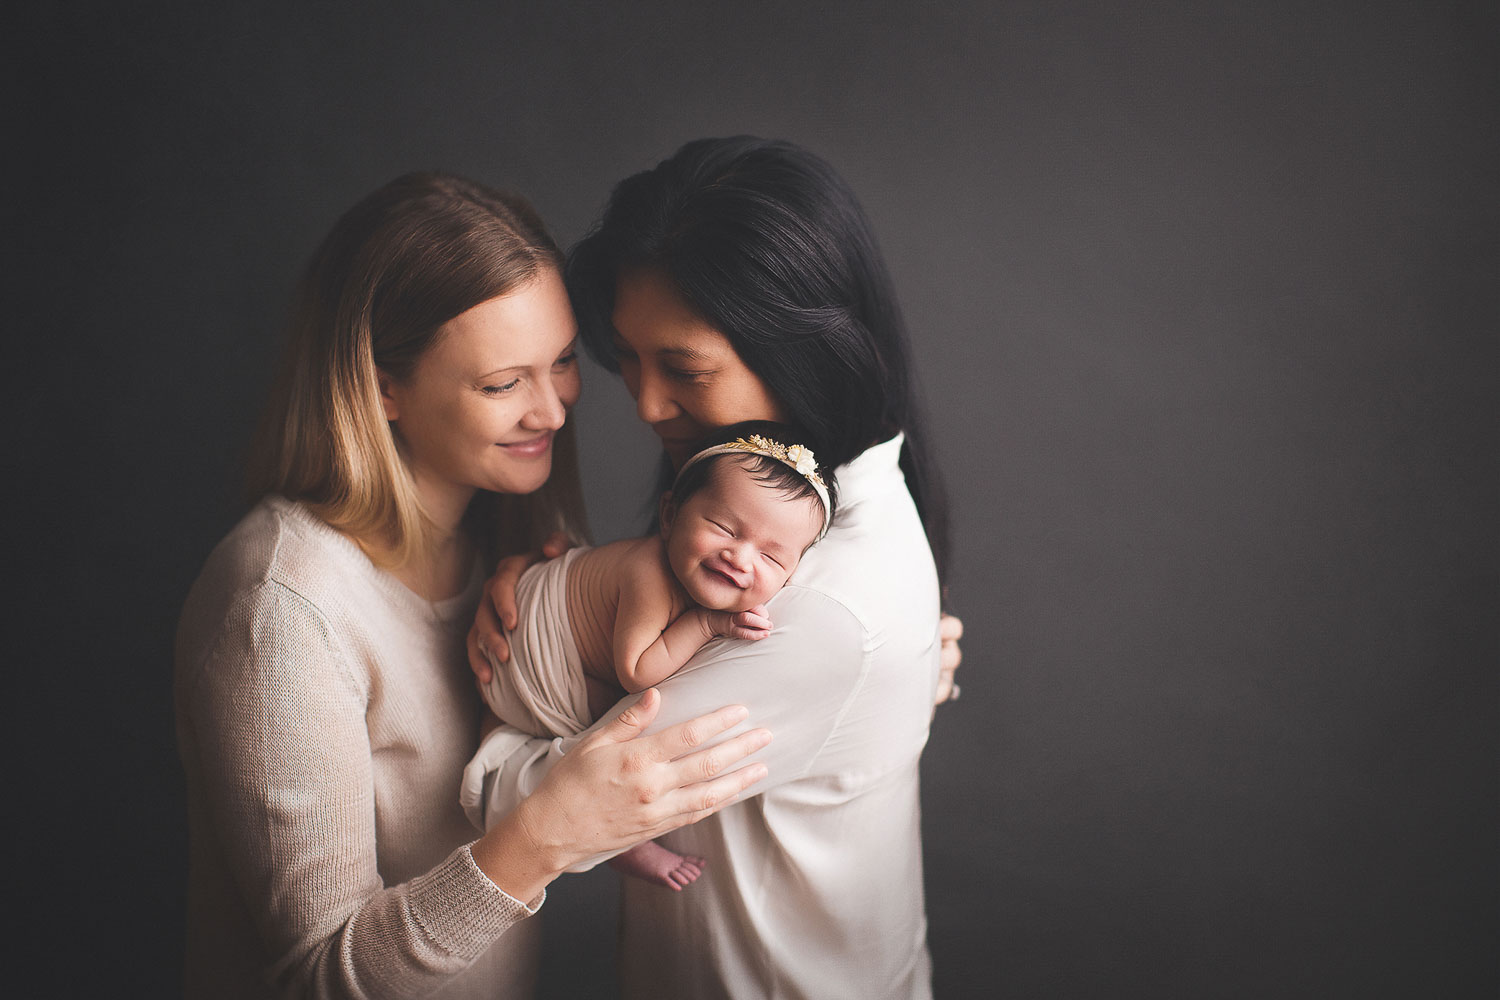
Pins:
<point x="530" y="448"/>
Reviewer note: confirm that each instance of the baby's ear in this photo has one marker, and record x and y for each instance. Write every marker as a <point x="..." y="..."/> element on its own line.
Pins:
<point x="668" y="513"/>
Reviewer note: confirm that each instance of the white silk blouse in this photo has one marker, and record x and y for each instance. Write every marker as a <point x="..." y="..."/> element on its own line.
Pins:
<point x="813" y="887"/>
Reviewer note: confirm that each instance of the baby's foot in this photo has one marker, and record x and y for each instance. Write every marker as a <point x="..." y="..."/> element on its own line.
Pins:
<point x="656" y="864"/>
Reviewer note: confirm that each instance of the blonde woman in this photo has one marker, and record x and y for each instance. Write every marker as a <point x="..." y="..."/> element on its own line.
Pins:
<point x="324" y="708"/>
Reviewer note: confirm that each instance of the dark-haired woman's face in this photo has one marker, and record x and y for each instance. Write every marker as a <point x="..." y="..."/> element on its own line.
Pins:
<point x="686" y="377"/>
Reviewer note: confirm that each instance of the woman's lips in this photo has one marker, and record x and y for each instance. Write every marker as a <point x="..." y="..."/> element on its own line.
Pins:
<point x="533" y="448"/>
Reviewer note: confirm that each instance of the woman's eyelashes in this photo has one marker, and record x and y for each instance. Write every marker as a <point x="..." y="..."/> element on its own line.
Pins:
<point x="564" y="362"/>
<point x="685" y="375"/>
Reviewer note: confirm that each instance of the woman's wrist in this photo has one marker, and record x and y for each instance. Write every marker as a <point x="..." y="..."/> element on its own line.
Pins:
<point x="511" y="855"/>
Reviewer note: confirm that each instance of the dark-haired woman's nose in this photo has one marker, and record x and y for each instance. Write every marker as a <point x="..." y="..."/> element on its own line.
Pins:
<point x="653" y="404"/>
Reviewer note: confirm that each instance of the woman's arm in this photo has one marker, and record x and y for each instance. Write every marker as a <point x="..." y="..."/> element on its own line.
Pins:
<point x="797" y="683"/>
<point x="615" y="790"/>
<point x="278" y="738"/>
<point x="499" y="602"/>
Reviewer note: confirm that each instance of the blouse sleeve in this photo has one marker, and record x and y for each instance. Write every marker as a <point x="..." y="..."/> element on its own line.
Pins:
<point x="798" y="682"/>
<point x="279" y="722"/>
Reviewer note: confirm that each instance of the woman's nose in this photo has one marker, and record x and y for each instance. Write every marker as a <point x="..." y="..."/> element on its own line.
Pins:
<point x="653" y="404"/>
<point x="548" y="411"/>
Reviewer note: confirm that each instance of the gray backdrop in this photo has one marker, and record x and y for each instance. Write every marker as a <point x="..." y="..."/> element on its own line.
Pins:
<point x="1205" y="308"/>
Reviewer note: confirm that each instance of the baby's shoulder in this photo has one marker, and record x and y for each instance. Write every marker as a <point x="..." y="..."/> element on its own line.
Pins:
<point x="630" y="560"/>
<point x="609" y="572"/>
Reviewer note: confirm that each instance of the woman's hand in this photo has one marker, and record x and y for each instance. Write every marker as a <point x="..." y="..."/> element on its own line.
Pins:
<point x="616" y="789"/>
<point x="950" y="630"/>
<point x="496" y="613"/>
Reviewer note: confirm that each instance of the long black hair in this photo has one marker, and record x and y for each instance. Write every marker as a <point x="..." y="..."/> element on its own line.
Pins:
<point x="769" y="245"/>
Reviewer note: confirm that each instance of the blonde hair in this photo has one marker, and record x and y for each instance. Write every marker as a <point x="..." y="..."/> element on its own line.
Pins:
<point x="397" y="266"/>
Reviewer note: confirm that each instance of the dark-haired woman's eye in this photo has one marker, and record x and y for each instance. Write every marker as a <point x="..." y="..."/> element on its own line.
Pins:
<point x="567" y="359"/>
<point x="683" y="375"/>
<point x="500" y="390"/>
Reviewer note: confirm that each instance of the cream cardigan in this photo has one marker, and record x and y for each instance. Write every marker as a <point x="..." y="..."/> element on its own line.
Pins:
<point x="324" y="714"/>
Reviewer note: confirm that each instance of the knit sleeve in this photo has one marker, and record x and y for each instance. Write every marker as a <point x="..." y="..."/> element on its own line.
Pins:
<point x="279" y="715"/>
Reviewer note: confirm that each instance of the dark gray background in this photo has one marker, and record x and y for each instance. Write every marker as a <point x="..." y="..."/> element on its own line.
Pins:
<point x="1205" y="308"/>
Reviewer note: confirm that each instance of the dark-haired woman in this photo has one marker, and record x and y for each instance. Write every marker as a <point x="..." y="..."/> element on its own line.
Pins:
<point x="740" y="280"/>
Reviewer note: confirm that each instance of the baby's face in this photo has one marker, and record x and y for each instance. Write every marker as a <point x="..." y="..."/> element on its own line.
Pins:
<point x="735" y="541"/>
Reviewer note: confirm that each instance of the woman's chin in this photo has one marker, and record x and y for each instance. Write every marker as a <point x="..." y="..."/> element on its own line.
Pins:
<point x="527" y="480"/>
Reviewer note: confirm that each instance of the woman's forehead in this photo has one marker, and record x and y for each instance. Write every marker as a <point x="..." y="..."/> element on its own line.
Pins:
<point x="650" y="311"/>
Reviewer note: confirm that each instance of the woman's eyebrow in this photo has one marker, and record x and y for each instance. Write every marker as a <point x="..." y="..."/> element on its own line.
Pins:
<point x="686" y="353"/>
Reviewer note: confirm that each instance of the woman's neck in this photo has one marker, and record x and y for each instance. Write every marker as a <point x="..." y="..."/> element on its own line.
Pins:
<point x="440" y="570"/>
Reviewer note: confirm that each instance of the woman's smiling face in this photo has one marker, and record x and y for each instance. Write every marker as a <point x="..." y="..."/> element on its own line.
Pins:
<point x="481" y="406"/>
<point x="686" y="377"/>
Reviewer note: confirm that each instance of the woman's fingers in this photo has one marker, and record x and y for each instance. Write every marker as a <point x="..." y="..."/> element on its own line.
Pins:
<point x="485" y="640"/>
<point x="501" y="587"/>
<point x="633" y="721"/>
<point x="694" y="802"/>
<point x="950" y="630"/>
<point x="687" y="779"/>
<point x="704" y="764"/>
<point x="498" y="613"/>
<point x="674" y="741"/>
<point x="617" y="787"/>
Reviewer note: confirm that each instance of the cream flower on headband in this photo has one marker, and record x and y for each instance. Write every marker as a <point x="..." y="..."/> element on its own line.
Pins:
<point x="802" y="460"/>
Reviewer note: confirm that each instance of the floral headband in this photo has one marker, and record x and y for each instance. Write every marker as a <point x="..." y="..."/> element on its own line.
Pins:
<point x="797" y="457"/>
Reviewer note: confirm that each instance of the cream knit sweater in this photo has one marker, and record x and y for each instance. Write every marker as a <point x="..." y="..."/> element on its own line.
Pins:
<point x="324" y="716"/>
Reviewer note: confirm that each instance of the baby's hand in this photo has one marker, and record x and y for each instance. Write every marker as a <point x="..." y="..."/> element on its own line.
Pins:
<point x="752" y="624"/>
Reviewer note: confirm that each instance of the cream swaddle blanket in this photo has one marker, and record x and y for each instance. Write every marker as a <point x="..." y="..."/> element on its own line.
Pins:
<point x="541" y="691"/>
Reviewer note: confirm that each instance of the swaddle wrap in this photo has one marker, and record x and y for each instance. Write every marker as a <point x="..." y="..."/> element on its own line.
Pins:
<point x="541" y="690"/>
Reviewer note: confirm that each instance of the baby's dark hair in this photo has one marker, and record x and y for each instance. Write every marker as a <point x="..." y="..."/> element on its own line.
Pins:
<point x="772" y="473"/>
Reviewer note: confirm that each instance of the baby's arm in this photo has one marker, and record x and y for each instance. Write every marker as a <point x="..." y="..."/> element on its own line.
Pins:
<point x="650" y="646"/>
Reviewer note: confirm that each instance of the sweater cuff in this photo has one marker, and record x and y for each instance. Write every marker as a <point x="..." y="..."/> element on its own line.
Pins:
<point x="460" y="909"/>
